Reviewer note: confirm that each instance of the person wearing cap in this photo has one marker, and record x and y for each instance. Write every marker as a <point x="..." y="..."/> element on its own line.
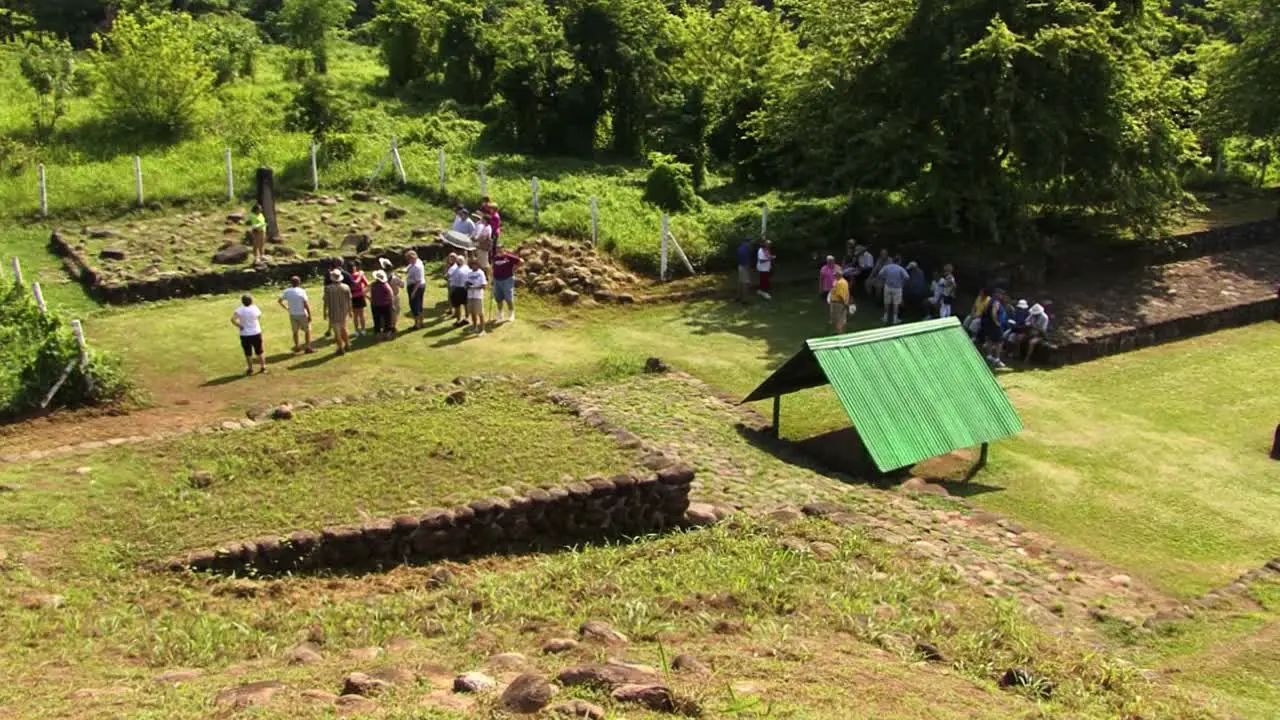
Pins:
<point x="294" y="300"/>
<point x="397" y="285"/>
<point x="504" y="282"/>
<point x="827" y="278"/>
<point x="456" y="279"/>
<point x="475" y="284"/>
<point x="482" y="239"/>
<point x="893" y="277"/>
<point x="745" y="257"/>
<point x="994" y="317"/>
<point x="764" y="268"/>
<point x="337" y="309"/>
<point x="415" y="286"/>
<point x="494" y="218"/>
<point x="380" y="301"/>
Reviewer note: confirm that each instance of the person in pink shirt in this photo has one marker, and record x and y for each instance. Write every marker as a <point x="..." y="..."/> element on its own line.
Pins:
<point x="359" y="296"/>
<point x="827" y="277"/>
<point x="490" y="211"/>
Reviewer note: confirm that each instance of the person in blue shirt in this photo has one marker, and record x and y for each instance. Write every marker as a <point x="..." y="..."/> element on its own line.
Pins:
<point x="745" y="258"/>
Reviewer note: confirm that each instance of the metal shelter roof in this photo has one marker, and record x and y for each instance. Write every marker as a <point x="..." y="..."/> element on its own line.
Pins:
<point x="912" y="391"/>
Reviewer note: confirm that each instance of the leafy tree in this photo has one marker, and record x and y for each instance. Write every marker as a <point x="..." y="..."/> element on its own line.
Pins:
<point x="669" y="184"/>
<point x="48" y="66"/>
<point x="320" y="108"/>
<point x="310" y="24"/>
<point x="1244" y="78"/>
<point x="403" y="29"/>
<point x="152" y="77"/>
<point x="532" y="65"/>
<point x="231" y="43"/>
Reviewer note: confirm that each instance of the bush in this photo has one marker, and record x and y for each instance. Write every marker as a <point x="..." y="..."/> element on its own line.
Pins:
<point x="670" y="185"/>
<point x="35" y="348"/>
<point x="49" y="68"/>
<point x="336" y="148"/>
<point x="152" y="76"/>
<point x="321" y="109"/>
<point x="446" y="129"/>
<point x="15" y="156"/>
<point x="298" y="65"/>
<point x="232" y="43"/>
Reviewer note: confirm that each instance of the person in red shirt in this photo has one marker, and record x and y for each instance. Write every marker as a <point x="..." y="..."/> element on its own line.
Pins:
<point x="504" y="282"/>
<point x="359" y="296"/>
<point x="490" y="212"/>
<point x="382" y="298"/>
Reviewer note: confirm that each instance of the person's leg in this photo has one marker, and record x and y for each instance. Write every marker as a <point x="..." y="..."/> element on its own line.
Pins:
<point x="480" y="313"/>
<point x="246" y="346"/>
<point x="262" y="356"/>
<point x="306" y="328"/>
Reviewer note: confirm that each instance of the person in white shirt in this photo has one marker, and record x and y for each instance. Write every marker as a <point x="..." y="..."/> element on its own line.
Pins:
<point x="294" y="299"/>
<point x="764" y="268"/>
<point x="483" y="239"/>
<point x="475" y="284"/>
<point x="415" y="281"/>
<point x="457" y="282"/>
<point x="248" y="319"/>
<point x="463" y="224"/>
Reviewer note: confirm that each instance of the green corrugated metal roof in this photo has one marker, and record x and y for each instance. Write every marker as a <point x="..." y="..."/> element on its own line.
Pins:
<point x="913" y="391"/>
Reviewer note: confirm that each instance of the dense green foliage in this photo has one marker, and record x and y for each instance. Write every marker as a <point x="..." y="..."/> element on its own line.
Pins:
<point x="153" y="73"/>
<point x="35" y="349"/>
<point x="48" y="66"/>
<point x="981" y="120"/>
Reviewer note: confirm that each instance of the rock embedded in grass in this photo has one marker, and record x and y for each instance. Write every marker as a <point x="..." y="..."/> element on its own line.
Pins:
<point x="249" y="695"/>
<point x="474" y="682"/>
<point x="354" y="704"/>
<point x="578" y="709"/>
<point x="686" y="663"/>
<point x="527" y="694"/>
<point x="555" y="646"/>
<point x="175" y="677"/>
<point x="658" y="698"/>
<point x="507" y="661"/>
<point x="305" y="654"/>
<point x="608" y="675"/>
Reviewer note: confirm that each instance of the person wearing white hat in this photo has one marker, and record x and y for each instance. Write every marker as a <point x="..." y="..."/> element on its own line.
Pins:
<point x="337" y="308"/>
<point x="397" y="284"/>
<point x="1037" y="328"/>
<point x="381" y="299"/>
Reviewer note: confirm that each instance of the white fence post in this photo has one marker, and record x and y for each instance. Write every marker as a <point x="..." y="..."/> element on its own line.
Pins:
<point x="44" y="193"/>
<point x="662" y="263"/>
<point x="535" y="201"/>
<point x="484" y="181"/>
<point x="78" y="330"/>
<point x="17" y="270"/>
<point x="395" y="158"/>
<point x="231" y="179"/>
<point x="764" y="221"/>
<point x="137" y="176"/>
<point x="35" y="290"/>
<point x="443" y="183"/>
<point x="595" y="221"/>
<point x="315" y="168"/>
<point x="680" y="251"/>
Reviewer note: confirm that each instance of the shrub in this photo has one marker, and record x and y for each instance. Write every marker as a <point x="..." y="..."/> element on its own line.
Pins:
<point x="336" y="148"/>
<point x="48" y="66"/>
<point x="670" y="184"/>
<point x="232" y="43"/>
<point x="152" y="76"/>
<point x="309" y="24"/>
<point x="35" y="349"/>
<point x="15" y="156"/>
<point x="320" y="108"/>
<point x="446" y="129"/>
<point x="298" y="65"/>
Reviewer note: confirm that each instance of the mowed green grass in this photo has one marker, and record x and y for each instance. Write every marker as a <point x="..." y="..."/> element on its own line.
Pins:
<point x="339" y="464"/>
<point x="1155" y="460"/>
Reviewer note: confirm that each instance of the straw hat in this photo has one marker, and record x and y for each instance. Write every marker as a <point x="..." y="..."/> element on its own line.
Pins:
<point x="1022" y="305"/>
<point x="1037" y="309"/>
<point x="385" y="263"/>
<point x="335" y="274"/>
<point x="380" y="275"/>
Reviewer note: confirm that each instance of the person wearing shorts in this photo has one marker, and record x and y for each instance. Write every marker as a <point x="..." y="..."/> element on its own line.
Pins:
<point x="337" y="309"/>
<point x="894" y="278"/>
<point x="248" y="320"/>
<point x="475" y="284"/>
<point x="838" y="304"/>
<point x="359" y="297"/>
<point x="504" y="282"/>
<point x="457" y="281"/>
<point x="294" y="299"/>
<point x="483" y="240"/>
<point x="415" y="280"/>
<point x="258" y="234"/>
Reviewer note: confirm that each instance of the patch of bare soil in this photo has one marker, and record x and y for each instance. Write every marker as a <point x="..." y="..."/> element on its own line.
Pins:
<point x="1089" y="307"/>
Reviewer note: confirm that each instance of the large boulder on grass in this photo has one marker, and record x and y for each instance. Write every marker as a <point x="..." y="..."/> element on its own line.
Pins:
<point x="233" y="254"/>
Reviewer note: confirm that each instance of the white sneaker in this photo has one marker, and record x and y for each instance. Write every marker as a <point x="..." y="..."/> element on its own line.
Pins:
<point x="513" y="316"/>
<point x="885" y="318"/>
<point x="480" y="334"/>
<point x="766" y="295"/>
<point x="760" y="293"/>
<point x="897" y="321"/>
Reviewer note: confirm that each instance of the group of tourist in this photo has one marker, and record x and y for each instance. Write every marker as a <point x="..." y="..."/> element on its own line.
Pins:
<point x="995" y="327"/>
<point x="349" y="292"/>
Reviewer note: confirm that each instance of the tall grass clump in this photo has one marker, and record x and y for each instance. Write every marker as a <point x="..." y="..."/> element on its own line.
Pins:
<point x="36" y="347"/>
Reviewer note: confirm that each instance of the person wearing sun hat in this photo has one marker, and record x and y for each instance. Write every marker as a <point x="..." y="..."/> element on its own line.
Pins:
<point x="337" y="309"/>
<point x="381" y="299"/>
<point x="397" y="285"/>
<point x="1037" y="328"/>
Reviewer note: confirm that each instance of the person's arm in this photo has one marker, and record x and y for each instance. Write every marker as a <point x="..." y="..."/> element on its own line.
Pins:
<point x="235" y="319"/>
<point x="281" y="302"/>
<point x="306" y="308"/>
<point x="324" y="306"/>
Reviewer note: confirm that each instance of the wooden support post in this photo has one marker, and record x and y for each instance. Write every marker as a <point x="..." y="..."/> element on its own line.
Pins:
<point x="444" y="188"/>
<point x="266" y="196"/>
<point x="982" y="462"/>
<point x="777" y="415"/>
<point x="662" y="260"/>
<point x="44" y="192"/>
<point x="395" y="159"/>
<point x="595" y="221"/>
<point x="137" y="176"/>
<point x="231" y="179"/>
<point x="315" y="168"/>
<point x="17" y="271"/>
<point x="535" y="201"/>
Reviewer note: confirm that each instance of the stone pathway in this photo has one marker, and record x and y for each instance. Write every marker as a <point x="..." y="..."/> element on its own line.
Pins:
<point x="683" y="417"/>
<point x="1089" y="307"/>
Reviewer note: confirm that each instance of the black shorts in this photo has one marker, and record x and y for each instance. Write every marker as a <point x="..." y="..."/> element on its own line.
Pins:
<point x="251" y="344"/>
<point x="359" y="303"/>
<point x="457" y="297"/>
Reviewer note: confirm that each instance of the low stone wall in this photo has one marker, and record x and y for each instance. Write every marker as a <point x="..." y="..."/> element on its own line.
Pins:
<point x="176" y="285"/>
<point x="593" y="509"/>
<point x="1157" y="333"/>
